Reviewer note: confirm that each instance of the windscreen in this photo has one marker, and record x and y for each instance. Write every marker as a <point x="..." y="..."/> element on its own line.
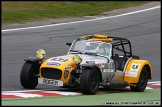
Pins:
<point x="101" y="48"/>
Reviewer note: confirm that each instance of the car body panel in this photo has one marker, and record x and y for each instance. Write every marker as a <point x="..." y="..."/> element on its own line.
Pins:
<point x="105" y="63"/>
<point x="133" y="70"/>
<point x="63" y="63"/>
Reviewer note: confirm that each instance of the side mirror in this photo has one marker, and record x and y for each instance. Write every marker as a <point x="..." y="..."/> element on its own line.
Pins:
<point x="68" y="44"/>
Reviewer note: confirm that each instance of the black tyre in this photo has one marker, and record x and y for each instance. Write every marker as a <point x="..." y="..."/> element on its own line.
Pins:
<point x="141" y="85"/>
<point x="28" y="76"/>
<point x="90" y="80"/>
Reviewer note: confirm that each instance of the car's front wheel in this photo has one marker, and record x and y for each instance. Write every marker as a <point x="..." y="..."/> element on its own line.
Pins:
<point x="142" y="83"/>
<point x="90" y="79"/>
<point x="28" y="76"/>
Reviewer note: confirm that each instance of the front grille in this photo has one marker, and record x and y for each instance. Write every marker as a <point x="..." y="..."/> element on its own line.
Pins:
<point x="51" y="73"/>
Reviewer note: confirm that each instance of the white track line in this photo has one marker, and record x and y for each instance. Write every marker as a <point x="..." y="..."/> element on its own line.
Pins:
<point x="129" y="13"/>
<point x="63" y="92"/>
<point x="151" y="82"/>
<point x="148" y="88"/>
<point x="24" y="95"/>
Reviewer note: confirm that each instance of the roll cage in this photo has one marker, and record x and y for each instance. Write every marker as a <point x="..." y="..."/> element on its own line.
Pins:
<point x="119" y="44"/>
<point x="121" y="48"/>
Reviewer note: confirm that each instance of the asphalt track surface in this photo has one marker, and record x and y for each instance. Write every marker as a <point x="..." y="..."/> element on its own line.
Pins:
<point x="142" y="29"/>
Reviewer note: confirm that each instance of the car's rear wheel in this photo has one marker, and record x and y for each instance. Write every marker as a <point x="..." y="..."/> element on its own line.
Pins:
<point x="90" y="80"/>
<point x="28" y="76"/>
<point x="141" y="85"/>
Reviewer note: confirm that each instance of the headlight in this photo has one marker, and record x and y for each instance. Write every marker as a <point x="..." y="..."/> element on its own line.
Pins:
<point x="40" y="54"/>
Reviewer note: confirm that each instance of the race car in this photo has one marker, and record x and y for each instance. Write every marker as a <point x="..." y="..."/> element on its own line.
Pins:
<point x="91" y="61"/>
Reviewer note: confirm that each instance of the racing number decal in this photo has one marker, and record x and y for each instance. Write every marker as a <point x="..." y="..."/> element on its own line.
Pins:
<point x="133" y="70"/>
<point x="134" y="67"/>
<point x="59" y="59"/>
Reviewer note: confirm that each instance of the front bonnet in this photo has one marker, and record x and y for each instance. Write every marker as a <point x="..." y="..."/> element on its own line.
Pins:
<point x="72" y="60"/>
<point x="60" y="61"/>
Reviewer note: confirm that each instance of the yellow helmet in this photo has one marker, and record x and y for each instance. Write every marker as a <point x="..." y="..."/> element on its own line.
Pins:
<point x="40" y="54"/>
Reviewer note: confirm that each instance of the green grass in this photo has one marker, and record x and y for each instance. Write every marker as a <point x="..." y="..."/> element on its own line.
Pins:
<point x="151" y="97"/>
<point x="24" y="11"/>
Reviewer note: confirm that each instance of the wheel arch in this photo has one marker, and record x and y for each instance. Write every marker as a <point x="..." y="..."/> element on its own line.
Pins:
<point x="33" y="60"/>
<point x="149" y="71"/>
<point x="93" y="66"/>
<point x="133" y="76"/>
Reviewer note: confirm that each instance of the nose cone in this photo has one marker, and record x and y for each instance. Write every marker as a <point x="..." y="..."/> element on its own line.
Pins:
<point x="61" y="62"/>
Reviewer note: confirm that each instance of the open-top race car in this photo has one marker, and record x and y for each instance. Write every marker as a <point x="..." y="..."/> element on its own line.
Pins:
<point x="92" y="61"/>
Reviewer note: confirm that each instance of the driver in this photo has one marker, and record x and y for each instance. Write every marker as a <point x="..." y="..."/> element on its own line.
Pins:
<point x="92" y="47"/>
<point x="96" y="48"/>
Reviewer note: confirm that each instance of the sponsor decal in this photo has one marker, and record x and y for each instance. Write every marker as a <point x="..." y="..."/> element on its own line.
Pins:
<point x="107" y="70"/>
<point x="50" y="82"/>
<point x="66" y="74"/>
<point x="53" y="63"/>
<point x="90" y="62"/>
<point x="135" y="67"/>
<point x="68" y="67"/>
<point x="59" y="59"/>
<point x="131" y="74"/>
<point x="45" y="81"/>
<point x="100" y="65"/>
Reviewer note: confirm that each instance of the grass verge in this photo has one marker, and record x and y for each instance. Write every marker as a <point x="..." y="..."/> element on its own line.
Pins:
<point x="25" y="11"/>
